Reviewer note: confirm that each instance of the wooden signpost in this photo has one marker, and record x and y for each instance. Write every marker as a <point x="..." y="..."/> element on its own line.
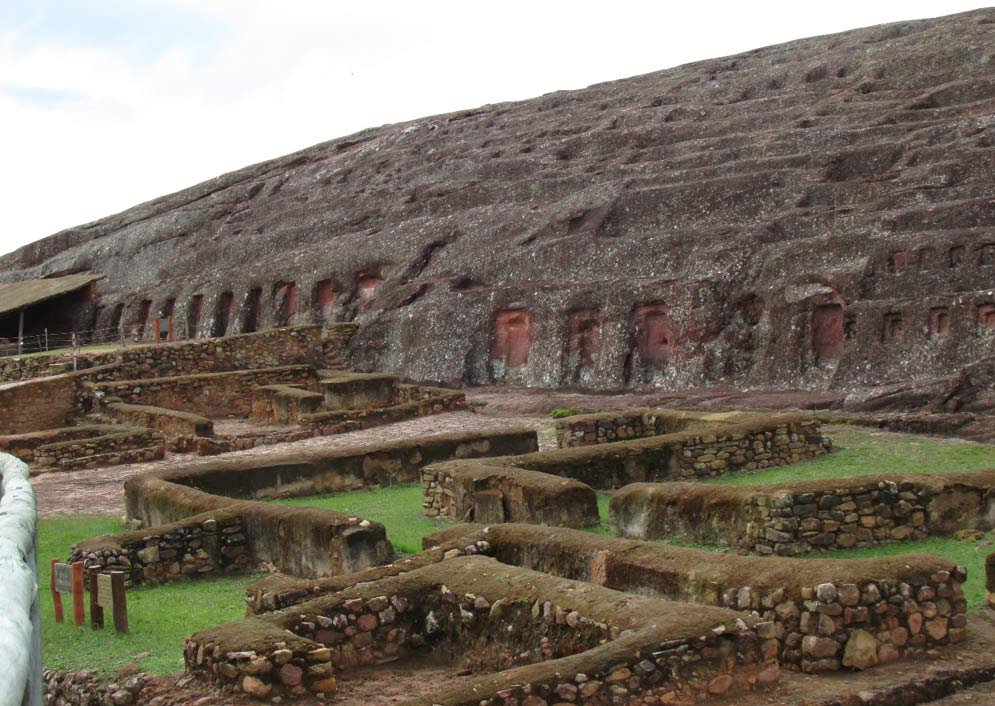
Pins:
<point x="106" y="591"/>
<point x="68" y="578"/>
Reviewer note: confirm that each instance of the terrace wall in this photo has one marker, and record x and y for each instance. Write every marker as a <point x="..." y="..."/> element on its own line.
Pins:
<point x="797" y="518"/>
<point x="299" y="540"/>
<point x="38" y="404"/>
<point x="814" y="607"/>
<point x="621" y="425"/>
<point x="542" y="630"/>
<point x="226" y="394"/>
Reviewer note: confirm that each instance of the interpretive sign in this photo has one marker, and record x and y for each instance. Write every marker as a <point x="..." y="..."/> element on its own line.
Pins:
<point x="63" y="574"/>
<point x="105" y="591"/>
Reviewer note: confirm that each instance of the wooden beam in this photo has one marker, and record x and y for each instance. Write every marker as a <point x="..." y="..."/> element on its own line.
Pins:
<point x="20" y="331"/>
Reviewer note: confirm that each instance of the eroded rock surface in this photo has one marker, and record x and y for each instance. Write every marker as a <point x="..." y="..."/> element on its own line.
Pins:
<point x="815" y="215"/>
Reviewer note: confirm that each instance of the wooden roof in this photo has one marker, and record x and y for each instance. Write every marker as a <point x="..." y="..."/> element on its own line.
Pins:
<point x="17" y="295"/>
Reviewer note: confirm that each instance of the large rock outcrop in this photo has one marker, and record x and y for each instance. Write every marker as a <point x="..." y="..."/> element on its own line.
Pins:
<point x="818" y="214"/>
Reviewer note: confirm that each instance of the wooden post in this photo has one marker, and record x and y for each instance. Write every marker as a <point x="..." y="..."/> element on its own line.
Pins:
<point x="96" y="611"/>
<point x="170" y="339"/>
<point x="79" y="611"/>
<point x="20" y="332"/>
<point x="120" y="602"/>
<point x="60" y="615"/>
<point x="46" y="338"/>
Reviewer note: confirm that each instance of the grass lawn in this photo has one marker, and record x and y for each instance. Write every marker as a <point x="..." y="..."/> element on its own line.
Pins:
<point x="869" y="451"/>
<point x="159" y="617"/>
<point x="399" y="509"/>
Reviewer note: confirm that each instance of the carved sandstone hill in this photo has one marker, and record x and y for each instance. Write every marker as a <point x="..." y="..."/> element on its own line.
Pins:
<point x="819" y="214"/>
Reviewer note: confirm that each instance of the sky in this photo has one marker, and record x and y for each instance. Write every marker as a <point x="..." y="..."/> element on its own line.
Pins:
<point x="105" y="104"/>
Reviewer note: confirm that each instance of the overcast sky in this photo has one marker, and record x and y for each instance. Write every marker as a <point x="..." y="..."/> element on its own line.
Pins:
<point x="108" y="103"/>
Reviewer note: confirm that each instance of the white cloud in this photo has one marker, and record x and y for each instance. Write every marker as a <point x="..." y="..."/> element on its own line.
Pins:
<point x="267" y="78"/>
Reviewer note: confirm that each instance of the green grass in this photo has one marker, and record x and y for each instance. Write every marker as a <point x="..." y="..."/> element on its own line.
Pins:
<point x="867" y="452"/>
<point x="159" y="617"/>
<point x="398" y="508"/>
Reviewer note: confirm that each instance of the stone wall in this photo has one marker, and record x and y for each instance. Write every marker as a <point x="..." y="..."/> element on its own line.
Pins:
<point x="17" y="368"/>
<point x="542" y="631"/>
<point x="797" y="518"/>
<point x="283" y="404"/>
<point x="412" y="401"/>
<point x="747" y="442"/>
<point x="530" y="488"/>
<point x="24" y="446"/>
<point x="169" y="421"/>
<point x="819" y="610"/>
<point x="204" y="544"/>
<point x="475" y="492"/>
<point x="303" y="345"/>
<point x="226" y="394"/>
<point x="620" y="425"/>
<point x="299" y="540"/>
<point x="122" y="445"/>
<point x="37" y="404"/>
<point x="88" y="688"/>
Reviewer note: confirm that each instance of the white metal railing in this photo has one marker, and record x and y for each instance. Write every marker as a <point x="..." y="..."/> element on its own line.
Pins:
<point x="20" y="638"/>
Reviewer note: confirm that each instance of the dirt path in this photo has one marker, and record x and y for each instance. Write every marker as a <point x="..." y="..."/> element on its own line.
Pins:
<point x="100" y="491"/>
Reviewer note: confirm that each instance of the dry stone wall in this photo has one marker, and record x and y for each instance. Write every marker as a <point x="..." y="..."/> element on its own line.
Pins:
<point x="529" y="488"/>
<point x="302" y="541"/>
<point x="215" y="543"/>
<point x="37" y="404"/>
<point x="620" y="425"/>
<point x="816" y="614"/>
<point x="797" y="518"/>
<point x="227" y="394"/>
<point x="555" y="639"/>
<point x="470" y="491"/>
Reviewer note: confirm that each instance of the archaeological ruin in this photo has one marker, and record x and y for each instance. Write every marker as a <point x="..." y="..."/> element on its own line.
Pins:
<point x="673" y="390"/>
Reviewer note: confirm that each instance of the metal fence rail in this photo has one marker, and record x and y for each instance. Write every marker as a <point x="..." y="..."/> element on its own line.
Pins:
<point x="46" y="341"/>
<point x="20" y="643"/>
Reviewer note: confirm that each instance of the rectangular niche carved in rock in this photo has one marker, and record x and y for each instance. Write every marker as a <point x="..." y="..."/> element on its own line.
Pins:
<point x="194" y="310"/>
<point x="324" y="299"/>
<point x="939" y="321"/>
<point x="986" y="316"/>
<point x="222" y="314"/>
<point x="252" y="311"/>
<point x="827" y="332"/>
<point x="955" y="256"/>
<point x="898" y="261"/>
<point x="285" y="303"/>
<point x="584" y="344"/>
<point x="986" y="255"/>
<point x="654" y="335"/>
<point x="143" y="318"/>
<point x="367" y="286"/>
<point x="512" y="337"/>
<point x="893" y="327"/>
<point x="927" y="259"/>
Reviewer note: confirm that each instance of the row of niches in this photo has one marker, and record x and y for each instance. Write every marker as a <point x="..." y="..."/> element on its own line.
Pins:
<point x="929" y="258"/>
<point x="937" y="321"/>
<point x="261" y="308"/>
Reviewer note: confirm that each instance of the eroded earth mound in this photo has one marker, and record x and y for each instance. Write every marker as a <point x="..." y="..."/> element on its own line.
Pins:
<point x="817" y="215"/>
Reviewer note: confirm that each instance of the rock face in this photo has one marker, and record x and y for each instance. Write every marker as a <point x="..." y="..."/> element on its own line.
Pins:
<point x="818" y="214"/>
